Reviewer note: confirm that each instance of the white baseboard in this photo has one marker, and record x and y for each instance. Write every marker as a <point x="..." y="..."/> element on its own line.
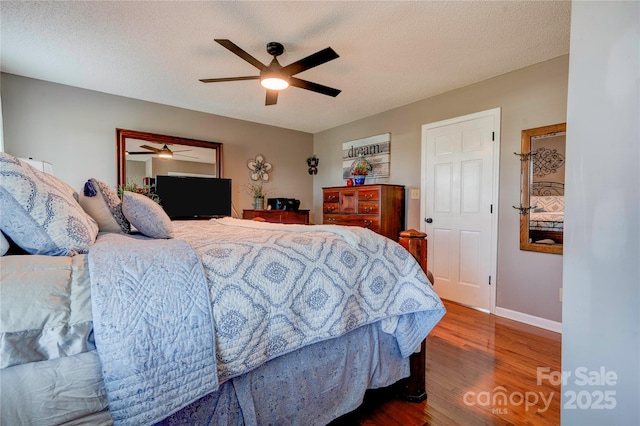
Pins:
<point x="529" y="319"/>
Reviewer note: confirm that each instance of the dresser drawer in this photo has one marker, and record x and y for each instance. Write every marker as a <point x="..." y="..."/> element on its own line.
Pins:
<point x="330" y="208"/>
<point x="331" y="197"/>
<point x="371" y="222"/>
<point x="368" y="195"/>
<point x="365" y="207"/>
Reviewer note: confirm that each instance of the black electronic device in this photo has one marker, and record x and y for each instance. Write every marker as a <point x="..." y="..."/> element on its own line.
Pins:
<point x="188" y="197"/>
<point x="283" y="204"/>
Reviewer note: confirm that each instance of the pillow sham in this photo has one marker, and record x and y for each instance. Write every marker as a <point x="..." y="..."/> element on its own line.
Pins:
<point x="146" y="215"/>
<point x="39" y="214"/>
<point x="103" y="205"/>
<point x="547" y="203"/>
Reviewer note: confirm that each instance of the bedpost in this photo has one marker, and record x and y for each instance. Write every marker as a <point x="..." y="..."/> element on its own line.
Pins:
<point x="413" y="387"/>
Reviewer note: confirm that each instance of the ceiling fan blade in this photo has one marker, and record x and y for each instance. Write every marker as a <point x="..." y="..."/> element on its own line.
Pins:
<point x="140" y="153"/>
<point x="238" y="51"/>
<point x="272" y="97"/>
<point x="318" y="58"/>
<point x="315" y="87"/>
<point x="150" y="148"/>
<point x="217" y="80"/>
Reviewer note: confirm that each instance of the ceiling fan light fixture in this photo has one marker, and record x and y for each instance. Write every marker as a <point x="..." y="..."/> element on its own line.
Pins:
<point x="274" y="77"/>
<point x="165" y="152"/>
<point x="274" y="83"/>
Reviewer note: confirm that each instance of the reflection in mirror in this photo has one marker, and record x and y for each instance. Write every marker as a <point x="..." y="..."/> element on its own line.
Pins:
<point x="142" y="156"/>
<point x="543" y="173"/>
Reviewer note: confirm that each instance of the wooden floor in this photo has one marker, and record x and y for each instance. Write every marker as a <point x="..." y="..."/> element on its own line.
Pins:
<point x="481" y="370"/>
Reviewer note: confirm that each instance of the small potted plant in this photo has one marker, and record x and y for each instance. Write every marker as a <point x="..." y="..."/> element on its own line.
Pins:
<point x="132" y="186"/>
<point x="257" y="191"/>
<point x="360" y="169"/>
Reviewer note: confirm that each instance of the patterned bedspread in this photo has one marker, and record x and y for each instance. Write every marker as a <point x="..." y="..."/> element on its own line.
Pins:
<point x="275" y="288"/>
<point x="271" y="290"/>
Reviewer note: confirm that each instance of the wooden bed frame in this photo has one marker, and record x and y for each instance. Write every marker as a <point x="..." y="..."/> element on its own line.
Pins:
<point x="413" y="387"/>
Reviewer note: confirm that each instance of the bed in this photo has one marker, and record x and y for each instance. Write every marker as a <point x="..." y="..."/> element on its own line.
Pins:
<point x="546" y="216"/>
<point x="124" y="317"/>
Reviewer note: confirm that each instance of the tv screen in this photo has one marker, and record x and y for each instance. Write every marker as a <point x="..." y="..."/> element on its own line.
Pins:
<point x="186" y="197"/>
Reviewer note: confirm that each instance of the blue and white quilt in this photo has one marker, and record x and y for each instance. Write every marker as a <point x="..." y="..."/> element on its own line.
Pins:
<point x="275" y="288"/>
<point x="153" y="326"/>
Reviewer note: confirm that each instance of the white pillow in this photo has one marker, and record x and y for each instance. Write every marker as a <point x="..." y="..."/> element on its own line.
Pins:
<point x="39" y="213"/>
<point x="103" y="205"/>
<point x="146" y="215"/>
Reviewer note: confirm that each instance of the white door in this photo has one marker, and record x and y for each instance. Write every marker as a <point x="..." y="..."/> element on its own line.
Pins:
<point x="459" y="206"/>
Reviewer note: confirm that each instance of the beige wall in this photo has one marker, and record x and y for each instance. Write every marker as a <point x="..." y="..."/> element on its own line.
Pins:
<point x="74" y="129"/>
<point x="536" y="96"/>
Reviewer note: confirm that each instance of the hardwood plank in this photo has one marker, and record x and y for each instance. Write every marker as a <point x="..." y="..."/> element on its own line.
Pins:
<point x="472" y="359"/>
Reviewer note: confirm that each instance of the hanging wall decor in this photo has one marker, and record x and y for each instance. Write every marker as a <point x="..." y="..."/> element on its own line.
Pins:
<point x="312" y="162"/>
<point x="259" y="168"/>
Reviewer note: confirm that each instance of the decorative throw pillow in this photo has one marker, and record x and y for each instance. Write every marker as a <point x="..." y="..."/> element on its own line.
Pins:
<point x="146" y="215"/>
<point x="38" y="214"/>
<point x="103" y="205"/>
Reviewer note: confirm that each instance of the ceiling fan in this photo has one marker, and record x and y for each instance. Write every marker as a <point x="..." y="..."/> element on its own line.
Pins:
<point x="275" y="77"/>
<point x="163" y="152"/>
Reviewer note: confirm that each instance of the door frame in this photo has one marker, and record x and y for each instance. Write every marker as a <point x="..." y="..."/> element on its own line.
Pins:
<point x="494" y="113"/>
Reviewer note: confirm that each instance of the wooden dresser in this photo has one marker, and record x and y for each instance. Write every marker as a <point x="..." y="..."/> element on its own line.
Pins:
<point x="379" y="207"/>
<point x="279" y="216"/>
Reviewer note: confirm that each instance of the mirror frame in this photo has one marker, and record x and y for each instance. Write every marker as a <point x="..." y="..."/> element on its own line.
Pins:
<point x="121" y="146"/>
<point x="525" y="196"/>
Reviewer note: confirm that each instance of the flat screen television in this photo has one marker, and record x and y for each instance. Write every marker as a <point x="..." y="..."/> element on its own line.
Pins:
<point x="187" y="197"/>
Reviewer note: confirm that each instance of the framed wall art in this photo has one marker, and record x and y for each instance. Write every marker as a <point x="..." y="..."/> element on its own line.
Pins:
<point x="375" y="149"/>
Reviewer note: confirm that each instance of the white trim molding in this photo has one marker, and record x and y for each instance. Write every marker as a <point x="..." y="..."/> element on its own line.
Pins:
<point x="529" y="319"/>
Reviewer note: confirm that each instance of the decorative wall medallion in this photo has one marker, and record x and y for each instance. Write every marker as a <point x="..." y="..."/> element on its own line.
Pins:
<point x="260" y="168"/>
<point x="546" y="161"/>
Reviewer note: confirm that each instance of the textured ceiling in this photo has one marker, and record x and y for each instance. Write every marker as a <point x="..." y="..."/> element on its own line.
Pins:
<point x="391" y="53"/>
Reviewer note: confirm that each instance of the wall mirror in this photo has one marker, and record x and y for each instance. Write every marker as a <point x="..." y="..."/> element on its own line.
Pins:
<point x="141" y="156"/>
<point x="542" y="189"/>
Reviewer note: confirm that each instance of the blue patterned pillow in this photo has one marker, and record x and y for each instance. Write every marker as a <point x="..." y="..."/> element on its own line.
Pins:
<point x="146" y="215"/>
<point x="39" y="214"/>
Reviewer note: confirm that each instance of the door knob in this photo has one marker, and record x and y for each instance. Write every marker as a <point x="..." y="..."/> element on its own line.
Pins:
<point x="428" y="220"/>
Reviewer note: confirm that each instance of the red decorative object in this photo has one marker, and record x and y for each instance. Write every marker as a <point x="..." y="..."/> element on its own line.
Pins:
<point x="349" y="182"/>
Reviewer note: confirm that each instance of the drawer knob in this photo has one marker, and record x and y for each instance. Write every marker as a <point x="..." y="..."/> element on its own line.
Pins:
<point x="368" y="196"/>
<point x="331" y="197"/>
<point x="367" y="209"/>
<point x="367" y="222"/>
